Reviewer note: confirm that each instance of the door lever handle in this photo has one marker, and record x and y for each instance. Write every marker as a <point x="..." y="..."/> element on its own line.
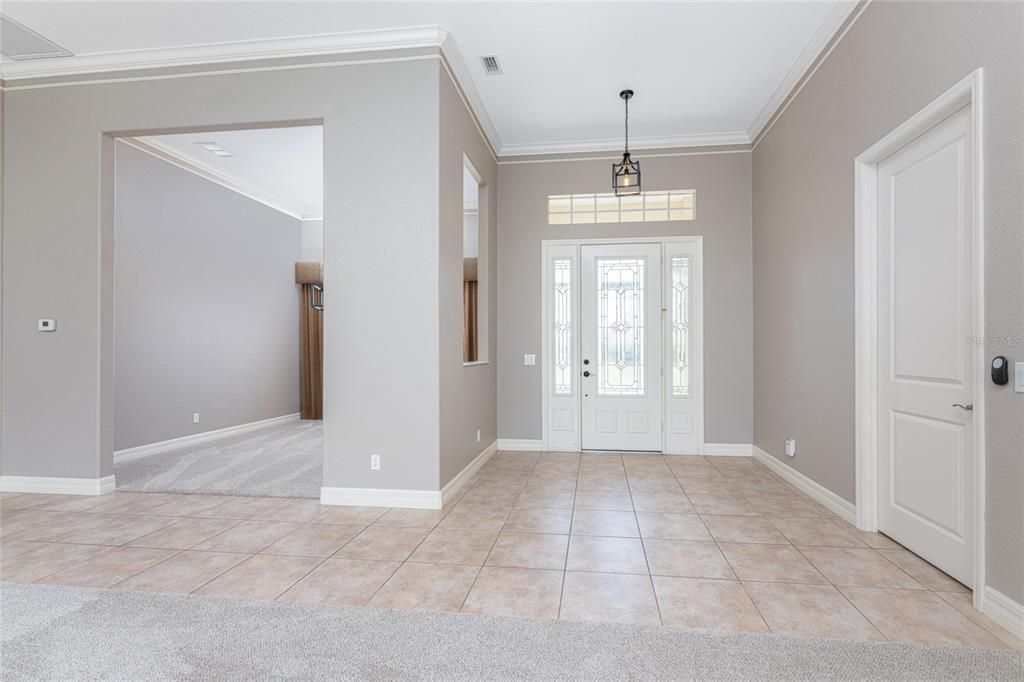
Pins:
<point x="969" y="406"/>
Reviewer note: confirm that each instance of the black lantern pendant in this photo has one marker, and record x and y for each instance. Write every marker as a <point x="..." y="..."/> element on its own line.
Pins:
<point x="626" y="175"/>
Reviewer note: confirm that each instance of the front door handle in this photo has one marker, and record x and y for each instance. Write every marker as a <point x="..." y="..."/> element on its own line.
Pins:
<point x="969" y="406"/>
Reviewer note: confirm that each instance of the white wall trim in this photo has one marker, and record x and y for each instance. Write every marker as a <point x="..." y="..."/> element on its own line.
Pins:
<point x="455" y="65"/>
<point x="521" y="444"/>
<point x="381" y="497"/>
<point x="114" y="63"/>
<point x="503" y="161"/>
<point x="728" y="449"/>
<point x="195" y="439"/>
<point x="968" y="92"/>
<point x="819" y="493"/>
<point x="166" y="152"/>
<point x="1004" y="611"/>
<point x="814" y="54"/>
<point x="225" y="52"/>
<point x="610" y="144"/>
<point x="453" y="486"/>
<point x="57" y="486"/>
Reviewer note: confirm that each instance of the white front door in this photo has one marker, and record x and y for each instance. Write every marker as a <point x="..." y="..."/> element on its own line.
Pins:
<point x="925" y="374"/>
<point x="621" y="347"/>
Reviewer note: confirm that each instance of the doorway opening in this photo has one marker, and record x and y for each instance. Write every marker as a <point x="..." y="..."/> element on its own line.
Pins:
<point x="218" y="312"/>
<point x="623" y="345"/>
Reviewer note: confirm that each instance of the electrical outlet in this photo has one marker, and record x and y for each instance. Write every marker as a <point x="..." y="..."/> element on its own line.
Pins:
<point x="529" y="359"/>
<point x="46" y="324"/>
<point x="195" y="417"/>
<point x="791" y="447"/>
<point x="478" y="435"/>
<point x="375" y="462"/>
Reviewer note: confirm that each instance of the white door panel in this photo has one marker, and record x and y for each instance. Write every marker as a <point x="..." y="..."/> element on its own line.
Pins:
<point x="924" y="321"/>
<point x="621" y="341"/>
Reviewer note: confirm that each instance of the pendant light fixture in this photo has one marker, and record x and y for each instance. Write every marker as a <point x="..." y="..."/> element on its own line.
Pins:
<point x="626" y="175"/>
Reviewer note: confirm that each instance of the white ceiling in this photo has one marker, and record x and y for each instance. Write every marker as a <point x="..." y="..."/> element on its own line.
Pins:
<point x="703" y="72"/>
<point x="282" y="167"/>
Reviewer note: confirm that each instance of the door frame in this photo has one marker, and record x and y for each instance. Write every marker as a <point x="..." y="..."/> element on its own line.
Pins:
<point x="966" y="93"/>
<point x="697" y="315"/>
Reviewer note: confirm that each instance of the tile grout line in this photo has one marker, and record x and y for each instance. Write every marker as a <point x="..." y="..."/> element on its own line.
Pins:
<point x="568" y="542"/>
<point x="303" y="577"/>
<point x="176" y="553"/>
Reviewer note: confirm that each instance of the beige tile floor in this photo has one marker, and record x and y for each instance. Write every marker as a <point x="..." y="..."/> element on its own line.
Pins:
<point x="692" y="542"/>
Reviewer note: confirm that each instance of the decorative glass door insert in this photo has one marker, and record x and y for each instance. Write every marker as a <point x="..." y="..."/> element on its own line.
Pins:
<point x="620" y="326"/>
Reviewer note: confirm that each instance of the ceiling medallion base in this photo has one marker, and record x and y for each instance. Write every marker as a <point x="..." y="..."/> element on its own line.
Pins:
<point x="626" y="174"/>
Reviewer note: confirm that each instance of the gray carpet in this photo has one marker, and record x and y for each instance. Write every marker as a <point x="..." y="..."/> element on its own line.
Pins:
<point x="278" y="461"/>
<point x="66" y="633"/>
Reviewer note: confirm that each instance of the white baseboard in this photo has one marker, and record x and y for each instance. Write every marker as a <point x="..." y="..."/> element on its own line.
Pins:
<point x="195" y="439"/>
<point x="819" y="493"/>
<point x="1003" y="611"/>
<point x="57" y="486"/>
<point x="727" y="449"/>
<point x="381" y="497"/>
<point x="407" y="499"/>
<point x="710" y="449"/>
<point x="453" y="486"/>
<point x="521" y="444"/>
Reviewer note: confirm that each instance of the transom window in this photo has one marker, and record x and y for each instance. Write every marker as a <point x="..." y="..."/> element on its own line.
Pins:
<point x="646" y="207"/>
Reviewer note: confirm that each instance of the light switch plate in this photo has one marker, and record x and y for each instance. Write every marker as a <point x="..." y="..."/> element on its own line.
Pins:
<point x="529" y="359"/>
<point x="1018" y="377"/>
<point x="46" y="324"/>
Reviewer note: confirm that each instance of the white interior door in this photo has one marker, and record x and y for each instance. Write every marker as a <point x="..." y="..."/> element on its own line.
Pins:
<point x="621" y="347"/>
<point x="925" y="376"/>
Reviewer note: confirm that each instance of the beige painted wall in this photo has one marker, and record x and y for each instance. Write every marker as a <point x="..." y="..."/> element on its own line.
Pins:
<point x="468" y="394"/>
<point x="206" y="309"/>
<point x="381" y="391"/>
<point x="722" y="182"/>
<point x="895" y="59"/>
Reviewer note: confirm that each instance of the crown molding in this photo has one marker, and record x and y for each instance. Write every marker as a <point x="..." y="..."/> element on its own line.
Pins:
<point x="824" y="39"/>
<point x="167" y="153"/>
<point x="614" y="144"/>
<point x="327" y="44"/>
<point x="233" y="51"/>
<point x="463" y="81"/>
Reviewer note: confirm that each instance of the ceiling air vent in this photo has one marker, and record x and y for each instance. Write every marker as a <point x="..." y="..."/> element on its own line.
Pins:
<point x="19" y="42"/>
<point x="491" y="65"/>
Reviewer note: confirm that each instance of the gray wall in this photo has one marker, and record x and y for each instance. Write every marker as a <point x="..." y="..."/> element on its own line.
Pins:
<point x="312" y="240"/>
<point x="895" y="59"/>
<point x="468" y="394"/>
<point x="722" y="181"/>
<point x="206" y="309"/>
<point x="381" y="392"/>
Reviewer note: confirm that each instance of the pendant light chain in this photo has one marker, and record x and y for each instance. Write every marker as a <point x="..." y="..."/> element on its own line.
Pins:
<point x="627" y="125"/>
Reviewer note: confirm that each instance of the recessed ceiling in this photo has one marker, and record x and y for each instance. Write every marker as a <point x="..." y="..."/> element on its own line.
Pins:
<point x="703" y="72"/>
<point x="282" y="167"/>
